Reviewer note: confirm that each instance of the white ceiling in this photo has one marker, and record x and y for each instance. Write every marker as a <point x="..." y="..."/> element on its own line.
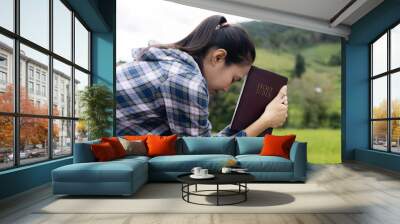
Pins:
<point x="321" y="9"/>
<point x="316" y="15"/>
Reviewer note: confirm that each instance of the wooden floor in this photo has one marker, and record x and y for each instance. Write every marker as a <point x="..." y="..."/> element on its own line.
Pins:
<point x="377" y="188"/>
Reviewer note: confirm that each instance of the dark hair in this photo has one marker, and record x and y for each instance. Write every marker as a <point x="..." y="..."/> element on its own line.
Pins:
<point x="214" y="32"/>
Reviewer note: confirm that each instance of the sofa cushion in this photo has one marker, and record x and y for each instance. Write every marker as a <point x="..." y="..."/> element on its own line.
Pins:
<point x="116" y="145"/>
<point x="257" y="163"/>
<point x="249" y="145"/>
<point x="161" y="145"/>
<point x="277" y="145"/>
<point x="112" y="171"/>
<point x="103" y="151"/>
<point x="132" y="158"/>
<point x="185" y="163"/>
<point x="206" y="145"/>
<point x="135" y="147"/>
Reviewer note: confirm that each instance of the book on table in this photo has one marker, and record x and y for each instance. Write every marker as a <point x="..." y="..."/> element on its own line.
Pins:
<point x="259" y="88"/>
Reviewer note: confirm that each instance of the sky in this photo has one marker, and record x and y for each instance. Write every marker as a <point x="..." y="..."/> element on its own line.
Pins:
<point x="139" y="22"/>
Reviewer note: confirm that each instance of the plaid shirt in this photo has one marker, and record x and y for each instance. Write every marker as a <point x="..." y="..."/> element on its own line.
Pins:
<point x="163" y="92"/>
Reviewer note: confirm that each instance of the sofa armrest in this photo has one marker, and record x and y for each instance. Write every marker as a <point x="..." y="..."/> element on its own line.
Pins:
<point x="298" y="155"/>
<point x="83" y="152"/>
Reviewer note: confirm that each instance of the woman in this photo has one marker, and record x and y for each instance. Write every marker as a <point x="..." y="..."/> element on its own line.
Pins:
<point x="165" y="90"/>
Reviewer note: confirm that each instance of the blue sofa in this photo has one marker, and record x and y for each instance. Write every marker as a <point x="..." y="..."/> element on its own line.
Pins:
<point x="125" y="176"/>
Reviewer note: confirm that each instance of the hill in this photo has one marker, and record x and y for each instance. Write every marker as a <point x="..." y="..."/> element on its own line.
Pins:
<point x="314" y="95"/>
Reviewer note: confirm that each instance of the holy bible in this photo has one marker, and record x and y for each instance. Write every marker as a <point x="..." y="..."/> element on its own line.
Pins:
<point x="259" y="88"/>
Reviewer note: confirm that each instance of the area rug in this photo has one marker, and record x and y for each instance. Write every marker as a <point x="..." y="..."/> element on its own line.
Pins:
<point x="167" y="198"/>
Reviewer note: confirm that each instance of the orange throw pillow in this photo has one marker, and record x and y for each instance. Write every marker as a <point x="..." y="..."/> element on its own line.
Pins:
<point x="116" y="145"/>
<point x="103" y="151"/>
<point x="277" y="145"/>
<point x="161" y="145"/>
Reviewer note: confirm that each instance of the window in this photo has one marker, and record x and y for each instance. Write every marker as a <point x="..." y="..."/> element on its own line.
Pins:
<point x="54" y="125"/>
<point x="30" y="87"/>
<point x="395" y="47"/>
<point x="7" y="142"/>
<point x="62" y="31"/>
<point x="385" y="94"/>
<point x="37" y="74"/>
<point x="62" y="74"/>
<point x="6" y="73"/>
<point x="30" y="72"/>
<point x="34" y="21"/>
<point x="7" y="14"/>
<point x="33" y="149"/>
<point x="55" y="97"/>
<point x="3" y="61"/>
<point x="81" y="45"/>
<point x="38" y="89"/>
<point x="43" y="90"/>
<point x="62" y="130"/>
<point x="3" y="78"/>
<point x="43" y="77"/>
<point x="81" y="81"/>
<point x="3" y="71"/>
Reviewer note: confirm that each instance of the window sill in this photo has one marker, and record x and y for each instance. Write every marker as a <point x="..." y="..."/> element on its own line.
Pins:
<point x="26" y="167"/>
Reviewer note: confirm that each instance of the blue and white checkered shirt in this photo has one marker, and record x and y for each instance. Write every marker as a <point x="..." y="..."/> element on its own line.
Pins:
<point x="163" y="92"/>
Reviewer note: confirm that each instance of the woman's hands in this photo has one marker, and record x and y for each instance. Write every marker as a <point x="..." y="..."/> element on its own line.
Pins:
<point x="276" y="111"/>
<point x="274" y="116"/>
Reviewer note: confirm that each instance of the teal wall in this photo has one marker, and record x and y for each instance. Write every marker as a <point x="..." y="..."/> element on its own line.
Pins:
<point x="102" y="59"/>
<point x="103" y="62"/>
<point x="355" y="83"/>
<point x="99" y="16"/>
<point x="24" y="178"/>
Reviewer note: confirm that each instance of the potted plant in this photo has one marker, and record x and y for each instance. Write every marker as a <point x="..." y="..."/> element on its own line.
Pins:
<point x="97" y="103"/>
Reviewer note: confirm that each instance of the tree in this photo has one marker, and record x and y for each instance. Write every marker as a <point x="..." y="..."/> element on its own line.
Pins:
<point x="300" y="66"/>
<point x="313" y="96"/>
<point x="396" y="124"/>
<point x="81" y="129"/>
<point x="335" y="59"/>
<point x="97" y="103"/>
<point x="33" y="130"/>
<point x="380" y="127"/>
<point x="6" y="124"/>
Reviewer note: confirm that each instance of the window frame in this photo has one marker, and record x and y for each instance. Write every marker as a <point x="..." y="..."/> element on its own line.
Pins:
<point x="388" y="74"/>
<point x="16" y="114"/>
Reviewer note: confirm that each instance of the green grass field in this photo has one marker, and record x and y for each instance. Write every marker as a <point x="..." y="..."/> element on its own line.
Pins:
<point x="323" y="145"/>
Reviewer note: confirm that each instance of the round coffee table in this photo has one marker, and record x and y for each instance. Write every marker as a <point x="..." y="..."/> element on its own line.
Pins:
<point x="238" y="179"/>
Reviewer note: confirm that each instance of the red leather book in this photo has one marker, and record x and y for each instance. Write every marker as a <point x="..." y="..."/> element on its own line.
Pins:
<point x="259" y="88"/>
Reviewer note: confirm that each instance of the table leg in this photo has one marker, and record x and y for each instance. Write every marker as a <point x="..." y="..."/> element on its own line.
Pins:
<point x="196" y="188"/>
<point x="245" y="193"/>
<point x="217" y="194"/>
<point x="188" y="190"/>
